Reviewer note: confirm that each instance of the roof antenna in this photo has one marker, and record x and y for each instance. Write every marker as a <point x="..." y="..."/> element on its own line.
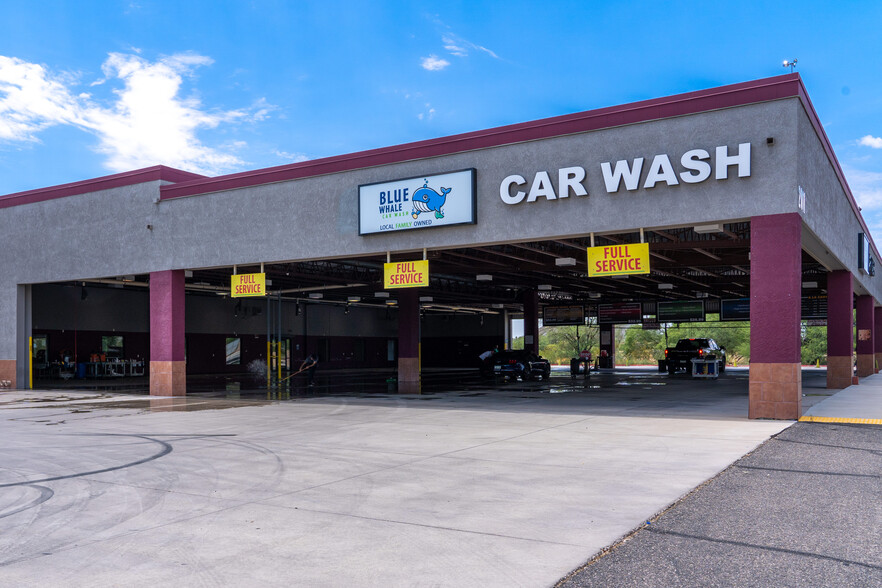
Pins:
<point x="790" y="64"/>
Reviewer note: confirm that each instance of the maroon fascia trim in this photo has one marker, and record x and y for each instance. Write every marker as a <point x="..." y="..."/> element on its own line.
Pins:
<point x="139" y="176"/>
<point x="784" y="86"/>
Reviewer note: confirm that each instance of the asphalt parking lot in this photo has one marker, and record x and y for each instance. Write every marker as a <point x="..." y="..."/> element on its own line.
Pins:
<point x="490" y="485"/>
<point x="801" y="510"/>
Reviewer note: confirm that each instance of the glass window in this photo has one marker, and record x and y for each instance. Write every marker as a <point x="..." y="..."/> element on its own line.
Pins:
<point x="41" y="349"/>
<point x="234" y="347"/>
<point x="112" y="346"/>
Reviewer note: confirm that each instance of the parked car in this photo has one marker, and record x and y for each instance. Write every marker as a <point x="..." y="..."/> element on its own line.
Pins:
<point x="520" y="363"/>
<point x="680" y="357"/>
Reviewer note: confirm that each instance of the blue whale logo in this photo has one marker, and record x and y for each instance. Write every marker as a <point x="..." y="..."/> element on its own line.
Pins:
<point x="426" y="199"/>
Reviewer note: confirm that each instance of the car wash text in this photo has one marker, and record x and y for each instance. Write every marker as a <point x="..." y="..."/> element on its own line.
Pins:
<point x="696" y="165"/>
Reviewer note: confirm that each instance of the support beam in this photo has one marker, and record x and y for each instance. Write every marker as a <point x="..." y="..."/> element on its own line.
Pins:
<point x="866" y="358"/>
<point x="408" y="335"/>
<point x="607" y="356"/>
<point x="775" y="308"/>
<point x="531" y="321"/>
<point x="877" y="336"/>
<point x="840" y="333"/>
<point x="24" y="331"/>
<point x="168" y="373"/>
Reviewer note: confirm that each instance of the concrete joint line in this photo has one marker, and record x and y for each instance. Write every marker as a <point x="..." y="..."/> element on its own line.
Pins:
<point x="764" y="548"/>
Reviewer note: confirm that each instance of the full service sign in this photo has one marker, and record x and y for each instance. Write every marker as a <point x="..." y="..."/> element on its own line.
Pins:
<point x="417" y="203"/>
<point x="618" y="260"/>
<point x="242" y="285"/>
<point x="406" y="274"/>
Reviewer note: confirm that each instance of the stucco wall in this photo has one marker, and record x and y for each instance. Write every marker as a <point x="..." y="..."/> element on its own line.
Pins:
<point x="828" y="214"/>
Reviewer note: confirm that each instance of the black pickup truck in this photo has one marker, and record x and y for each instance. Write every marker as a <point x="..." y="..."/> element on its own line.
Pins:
<point x="680" y="357"/>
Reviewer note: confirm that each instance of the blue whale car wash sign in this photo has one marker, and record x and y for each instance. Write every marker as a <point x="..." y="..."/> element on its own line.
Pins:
<point x="416" y="203"/>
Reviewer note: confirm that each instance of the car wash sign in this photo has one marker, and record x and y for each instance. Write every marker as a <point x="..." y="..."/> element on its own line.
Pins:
<point x="242" y="285"/>
<point x="417" y="203"/>
<point x="618" y="260"/>
<point x="406" y="274"/>
<point x="695" y="166"/>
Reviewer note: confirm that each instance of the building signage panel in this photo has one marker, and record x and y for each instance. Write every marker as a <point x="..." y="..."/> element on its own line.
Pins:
<point x="866" y="263"/>
<point x="242" y="285"/>
<point x="681" y="311"/>
<point x="620" y="313"/>
<point x="406" y="274"/>
<point x="618" y="260"/>
<point x="563" y="315"/>
<point x="736" y="309"/>
<point x="417" y="203"/>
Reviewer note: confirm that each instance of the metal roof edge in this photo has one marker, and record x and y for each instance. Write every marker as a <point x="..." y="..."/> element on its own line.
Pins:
<point x="138" y="176"/>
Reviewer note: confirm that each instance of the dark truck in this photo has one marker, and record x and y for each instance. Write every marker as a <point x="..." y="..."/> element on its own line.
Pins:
<point x="680" y="357"/>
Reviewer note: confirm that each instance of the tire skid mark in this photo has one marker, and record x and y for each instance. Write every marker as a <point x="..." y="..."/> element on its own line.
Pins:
<point x="45" y="494"/>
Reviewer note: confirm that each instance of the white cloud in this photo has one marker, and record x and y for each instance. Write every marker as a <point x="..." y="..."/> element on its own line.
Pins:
<point x="146" y="122"/>
<point x="453" y="46"/>
<point x="871" y="141"/>
<point x="434" y="63"/>
<point x="427" y="114"/>
<point x="866" y="187"/>
<point x="292" y="157"/>
<point x="460" y="47"/>
<point x="30" y="101"/>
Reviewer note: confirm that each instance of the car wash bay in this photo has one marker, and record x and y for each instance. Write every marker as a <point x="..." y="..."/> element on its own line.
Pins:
<point x="335" y="309"/>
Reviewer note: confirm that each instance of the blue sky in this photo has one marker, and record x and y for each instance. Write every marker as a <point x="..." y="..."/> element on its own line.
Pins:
<point x="90" y="88"/>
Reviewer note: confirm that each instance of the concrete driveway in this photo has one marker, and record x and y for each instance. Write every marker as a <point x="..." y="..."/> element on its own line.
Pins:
<point x="508" y="487"/>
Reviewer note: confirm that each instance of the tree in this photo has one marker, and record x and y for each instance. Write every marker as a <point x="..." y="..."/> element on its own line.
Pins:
<point x="560" y="344"/>
<point x="814" y="344"/>
<point x="641" y="346"/>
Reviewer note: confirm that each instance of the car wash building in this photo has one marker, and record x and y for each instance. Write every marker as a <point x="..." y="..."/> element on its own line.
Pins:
<point x="726" y="200"/>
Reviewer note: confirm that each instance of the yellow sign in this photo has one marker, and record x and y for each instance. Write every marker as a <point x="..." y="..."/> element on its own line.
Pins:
<point x="406" y="274"/>
<point x="618" y="260"/>
<point x="248" y="285"/>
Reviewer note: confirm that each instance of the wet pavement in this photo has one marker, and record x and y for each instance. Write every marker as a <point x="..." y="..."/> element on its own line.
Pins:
<point x="482" y="483"/>
<point x="633" y="384"/>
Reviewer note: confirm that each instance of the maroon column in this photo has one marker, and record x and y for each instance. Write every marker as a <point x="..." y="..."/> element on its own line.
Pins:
<point x="877" y="336"/>
<point x="607" y="346"/>
<point x="775" y="308"/>
<point x="531" y="321"/>
<point x="168" y="374"/>
<point x="866" y="352"/>
<point x="408" y="335"/>
<point x="840" y="331"/>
